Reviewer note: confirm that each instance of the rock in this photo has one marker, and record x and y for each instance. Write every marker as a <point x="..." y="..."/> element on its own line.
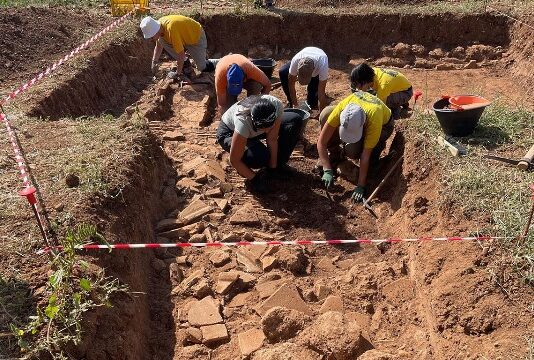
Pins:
<point x="345" y="264"/>
<point x="418" y="50"/>
<point x="192" y="279"/>
<point x="72" y="180"/>
<point x="223" y="204"/>
<point x="209" y="236"/>
<point x="228" y="312"/>
<point x="169" y="198"/>
<point x="283" y="222"/>
<point x="168" y="224"/>
<point x="402" y="50"/>
<point x="375" y="354"/>
<point x="282" y="324"/>
<point x="332" y="303"/>
<point x="173" y="136"/>
<point x="286" y="351"/>
<point x="213" y="334"/>
<point x="239" y="300"/>
<point x="481" y="52"/>
<point x="269" y="263"/>
<point x="292" y="259"/>
<point x="326" y="264"/>
<point x="334" y="336"/>
<point x="201" y="289"/>
<point x="212" y="169"/>
<point x="194" y="352"/>
<point x="444" y="66"/>
<point x="423" y="64"/>
<point x="246" y="279"/>
<point x="286" y="296"/>
<point x="197" y="238"/>
<point x="391" y="61"/>
<point x="472" y="64"/>
<point x="215" y="192"/>
<point x="219" y="258"/>
<point x="437" y="53"/>
<point x="225" y="282"/>
<point x="259" y="52"/>
<point x="268" y="288"/>
<point x="321" y="291"/>
<point x="195" y="211"/>
<point x="250" y="341"/>
<point x="189" y="184"/>
<point x="193" y="335"/>
<point x="245" y="215"/>
<point x="458" y="52"/>
<point x="174" y="234"/>
<point x="226" y="187"/>
<point x="231" y="237"/>
<point x="204" y="312"/>
<point x="181" y="260"/>
<point x="175" y="273"/>
<point x="248" y="259"/>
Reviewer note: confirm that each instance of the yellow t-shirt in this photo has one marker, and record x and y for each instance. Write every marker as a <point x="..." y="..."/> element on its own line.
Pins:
<point x="388" y="81"/>
<point x="377" y="114"/>
<point x="179" y="30"/>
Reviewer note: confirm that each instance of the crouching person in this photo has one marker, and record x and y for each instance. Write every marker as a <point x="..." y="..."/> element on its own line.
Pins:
<point x="358" y="128"/>
<point x="240" y="132"/>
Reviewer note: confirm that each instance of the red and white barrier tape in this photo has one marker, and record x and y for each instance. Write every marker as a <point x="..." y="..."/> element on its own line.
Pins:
<point x="274" y="243"/>
<point x="18" y="154"/>
<point x="67" y="57"/>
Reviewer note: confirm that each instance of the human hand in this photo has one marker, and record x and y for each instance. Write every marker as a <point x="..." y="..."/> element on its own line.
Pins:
<point x="328" y="178"/>
<point x="358" y="193"/>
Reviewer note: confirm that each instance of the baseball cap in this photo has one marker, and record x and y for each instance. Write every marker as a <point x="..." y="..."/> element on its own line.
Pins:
<point x="352" y="119"/>
<point x="305" y="70"/>
<point x="149" y="27"/>
<point x="235" y="77"/>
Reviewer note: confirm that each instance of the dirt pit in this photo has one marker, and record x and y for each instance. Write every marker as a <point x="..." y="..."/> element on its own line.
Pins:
<point x="401" y="301"/>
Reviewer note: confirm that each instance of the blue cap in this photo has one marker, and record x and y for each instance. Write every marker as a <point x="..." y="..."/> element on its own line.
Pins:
<point x="235" y="77"/>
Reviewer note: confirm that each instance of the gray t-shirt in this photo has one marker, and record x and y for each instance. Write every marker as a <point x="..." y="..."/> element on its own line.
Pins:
<point x="241" y="123"/>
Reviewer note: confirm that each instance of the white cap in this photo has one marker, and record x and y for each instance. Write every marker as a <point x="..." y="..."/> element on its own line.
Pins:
<point x="149" y="27"/>
<point x="352" y="119"/>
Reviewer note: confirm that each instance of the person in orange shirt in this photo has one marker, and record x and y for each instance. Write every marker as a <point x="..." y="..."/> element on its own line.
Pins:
<point x="176" y="34"/>
<point x="234" y="73"/>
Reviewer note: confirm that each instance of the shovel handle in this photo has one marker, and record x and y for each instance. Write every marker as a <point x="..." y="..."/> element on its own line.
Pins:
<point x="526" y="160"/>
<point x="384" y="179"/>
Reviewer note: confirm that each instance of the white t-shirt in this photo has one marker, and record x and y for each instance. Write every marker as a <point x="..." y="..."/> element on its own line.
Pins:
<point x="243" y="124"/>
<point x="320" y="60"/>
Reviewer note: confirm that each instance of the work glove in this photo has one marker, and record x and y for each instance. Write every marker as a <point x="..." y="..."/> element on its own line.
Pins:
<point x="258" y="183"/>
<point x="328" y="178"/>
<point x="358" y="193"/>
<point x="173" y="75"/>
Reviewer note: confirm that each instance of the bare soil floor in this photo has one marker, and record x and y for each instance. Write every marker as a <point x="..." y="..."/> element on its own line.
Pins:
<point x="403" y="301"/>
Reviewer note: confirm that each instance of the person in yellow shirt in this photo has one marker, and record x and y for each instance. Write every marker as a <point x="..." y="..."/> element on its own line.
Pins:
<point x="390" y="86"/>
<point x="358" y="128"/>
<point x="175" y="34"/>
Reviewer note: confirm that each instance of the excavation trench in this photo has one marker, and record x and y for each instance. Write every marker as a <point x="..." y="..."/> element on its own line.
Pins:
<point x="181" y="173"/>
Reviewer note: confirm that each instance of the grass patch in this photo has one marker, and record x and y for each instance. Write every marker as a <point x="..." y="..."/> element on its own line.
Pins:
<point x="482" y="189"/>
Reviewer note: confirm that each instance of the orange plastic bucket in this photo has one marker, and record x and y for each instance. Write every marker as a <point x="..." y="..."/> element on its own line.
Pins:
<point x="466" y="102"/>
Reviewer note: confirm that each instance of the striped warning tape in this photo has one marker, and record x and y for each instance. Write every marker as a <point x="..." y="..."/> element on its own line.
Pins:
<point x="276" y="243"/>
<point x="67" y="57"/>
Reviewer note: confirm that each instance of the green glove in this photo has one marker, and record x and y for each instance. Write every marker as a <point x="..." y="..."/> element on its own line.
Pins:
<point x="358" y="193"/>
<point x="328" y="178"/>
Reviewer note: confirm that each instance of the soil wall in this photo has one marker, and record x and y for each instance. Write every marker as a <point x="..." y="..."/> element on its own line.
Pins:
<point x="343" y="35"/>
<point x="521" y="52"/>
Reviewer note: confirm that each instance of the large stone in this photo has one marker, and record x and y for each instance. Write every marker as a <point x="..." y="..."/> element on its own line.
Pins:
<point x="245" y="215"/>
<point x="195" y="211"/>
<point x="326" y="264"/>
<point x="174" y="234"/>
<point x="332" y="303"/>
<point x="321" y="291"/>
<point x="212" y="334"/>
<point x="168" y="224"/>
<point x="268" y="263"/>
<point x="472" y="64"/>
<point x="201" y="289"/>
<point x="286" y="351"/>
<point x="192" y="279"/>
<point x="282" y="324"/>
<point x="293" y="259"/>
<point x="204" y="312"/>
<point x="240" y="300"/>
<point x="250" y="341"/>
<point x="268" y="288"/>
<point x="197" y="238"/>
<point x="215" y="192"/>
<point x="193" y="335"/>
<point x="249" y="260"/>
<point x="174" y="136"/>
<point x="189" y="184"/>
<point x="225" y="282"/>
<point x="286" y="296"/>
<point x="220" y="258"/>
<point x="223" y="204"/>
<point x="334" y="336"/>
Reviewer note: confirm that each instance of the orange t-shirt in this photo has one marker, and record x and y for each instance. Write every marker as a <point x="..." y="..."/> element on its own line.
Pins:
<point x="252" y="72"/>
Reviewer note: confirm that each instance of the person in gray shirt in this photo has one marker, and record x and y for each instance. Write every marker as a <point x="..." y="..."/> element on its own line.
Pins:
<point x="241" y="130"/>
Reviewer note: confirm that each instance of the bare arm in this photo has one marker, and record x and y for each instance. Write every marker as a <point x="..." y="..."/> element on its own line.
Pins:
<point x="157" y="52"/>
<point x="322" y="95"/>
<point x="272" y="143"/>
<point x="364" y="166"/>
<point x="221" y="100"/>
<point x="180" y="62"/>
<point x="292" y="80"/>
<point x="322" y="145"/>
<point x="237" y="149"/>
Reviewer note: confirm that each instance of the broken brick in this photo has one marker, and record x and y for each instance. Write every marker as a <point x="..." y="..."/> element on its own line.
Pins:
<point x="204" y="312"/>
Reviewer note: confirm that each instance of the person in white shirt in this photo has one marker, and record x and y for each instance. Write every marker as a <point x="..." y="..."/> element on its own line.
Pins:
<point x="240" y="132"/>
<point x="310" y="67"/>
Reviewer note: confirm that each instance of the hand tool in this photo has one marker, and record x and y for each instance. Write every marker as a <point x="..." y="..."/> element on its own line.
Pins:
<point x="525" y="164"/>
<point x="452" y="145"/>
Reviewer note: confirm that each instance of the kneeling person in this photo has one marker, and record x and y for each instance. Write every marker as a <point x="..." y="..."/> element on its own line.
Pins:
<point x="240" y="132"/>
<point x="391" y="86"/>
<point x="233" y="74"/>
<point x="357" y="127"/>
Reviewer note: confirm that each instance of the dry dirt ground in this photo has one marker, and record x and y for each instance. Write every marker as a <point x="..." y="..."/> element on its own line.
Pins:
<point x="417" y="301"/>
